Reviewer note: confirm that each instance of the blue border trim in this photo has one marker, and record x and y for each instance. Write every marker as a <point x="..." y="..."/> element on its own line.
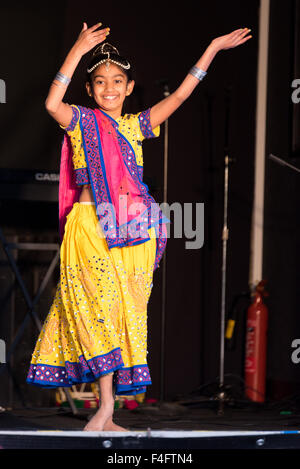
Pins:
<point x="103" y="166"/>
<point x="126" y="379"/>
<point x="81" y="175"/>
<point x="75" y="118"/>
<point x="147" y="134"/>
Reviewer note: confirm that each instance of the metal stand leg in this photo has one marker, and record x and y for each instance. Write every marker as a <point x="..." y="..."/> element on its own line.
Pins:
<point x="164" y="259"/>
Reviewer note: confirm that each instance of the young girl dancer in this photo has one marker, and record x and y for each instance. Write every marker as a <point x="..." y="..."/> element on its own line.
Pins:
<point x="113" y="232"/>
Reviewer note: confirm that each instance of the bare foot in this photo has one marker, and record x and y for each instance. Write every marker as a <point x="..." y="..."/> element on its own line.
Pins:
<point x="105" y="412"/>
<point x="110" y="426"/>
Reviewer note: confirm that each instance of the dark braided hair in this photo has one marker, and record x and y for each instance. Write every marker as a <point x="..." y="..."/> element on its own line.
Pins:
<point x="107" y="52"/>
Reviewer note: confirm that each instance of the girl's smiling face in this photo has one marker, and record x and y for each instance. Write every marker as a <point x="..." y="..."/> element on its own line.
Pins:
<point x="110" y="86"/>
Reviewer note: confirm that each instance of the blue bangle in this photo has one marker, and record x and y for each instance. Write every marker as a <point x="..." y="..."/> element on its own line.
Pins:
<point x="197" y="73"/>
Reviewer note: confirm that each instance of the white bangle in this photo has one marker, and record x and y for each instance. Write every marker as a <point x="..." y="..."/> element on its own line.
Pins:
<point x="197" y="73"/>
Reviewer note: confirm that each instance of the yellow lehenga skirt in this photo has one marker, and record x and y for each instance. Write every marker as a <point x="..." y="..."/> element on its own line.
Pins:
<point x="97" y="323"/>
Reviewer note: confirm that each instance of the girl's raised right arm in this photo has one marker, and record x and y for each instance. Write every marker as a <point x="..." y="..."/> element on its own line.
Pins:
<point x="87" y="39"/>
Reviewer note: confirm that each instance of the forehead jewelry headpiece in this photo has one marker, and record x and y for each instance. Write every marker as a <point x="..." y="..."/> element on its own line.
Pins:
<point x="107" y="60"/>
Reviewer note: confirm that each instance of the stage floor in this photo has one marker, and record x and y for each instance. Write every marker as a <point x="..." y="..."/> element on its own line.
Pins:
<point x="164" y="416"/>
<point x="165" y="425"/>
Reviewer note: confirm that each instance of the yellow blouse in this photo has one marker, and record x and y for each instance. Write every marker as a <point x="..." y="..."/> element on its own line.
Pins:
<point x="134" y="127"/>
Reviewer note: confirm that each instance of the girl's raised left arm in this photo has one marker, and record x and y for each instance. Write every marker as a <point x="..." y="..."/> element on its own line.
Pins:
<point x="163" y="109"/>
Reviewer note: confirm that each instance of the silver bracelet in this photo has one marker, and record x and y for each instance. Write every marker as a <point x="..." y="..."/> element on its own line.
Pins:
<point x="62" y="78"/>
<point x="197" y="73"/>
<point x="57" y="84"/>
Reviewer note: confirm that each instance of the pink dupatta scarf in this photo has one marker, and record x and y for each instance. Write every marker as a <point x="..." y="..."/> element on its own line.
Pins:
<point x="125" y="196"/>
<point x="122" y="190"/>
<point x="69" y="191"/>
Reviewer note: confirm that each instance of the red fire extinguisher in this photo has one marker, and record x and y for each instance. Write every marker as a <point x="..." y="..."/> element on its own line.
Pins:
<point x="256" y="346"/>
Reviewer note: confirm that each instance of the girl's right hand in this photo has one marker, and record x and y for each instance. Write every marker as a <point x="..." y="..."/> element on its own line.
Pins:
<point x="89" y="38"/>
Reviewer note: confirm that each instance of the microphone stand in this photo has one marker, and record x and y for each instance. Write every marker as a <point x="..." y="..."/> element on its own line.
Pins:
<point x="163" y="261"/>
<point x="221" y="396"/>
<point x="283" y="163"/>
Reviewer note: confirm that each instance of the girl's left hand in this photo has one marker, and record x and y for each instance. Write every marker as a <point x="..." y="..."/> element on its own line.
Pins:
<point x="234" y="39"/>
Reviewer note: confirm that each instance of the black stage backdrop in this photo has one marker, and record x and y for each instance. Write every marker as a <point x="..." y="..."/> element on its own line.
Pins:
<point x="163" y="41"/>
<point x="282" y="198"/>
